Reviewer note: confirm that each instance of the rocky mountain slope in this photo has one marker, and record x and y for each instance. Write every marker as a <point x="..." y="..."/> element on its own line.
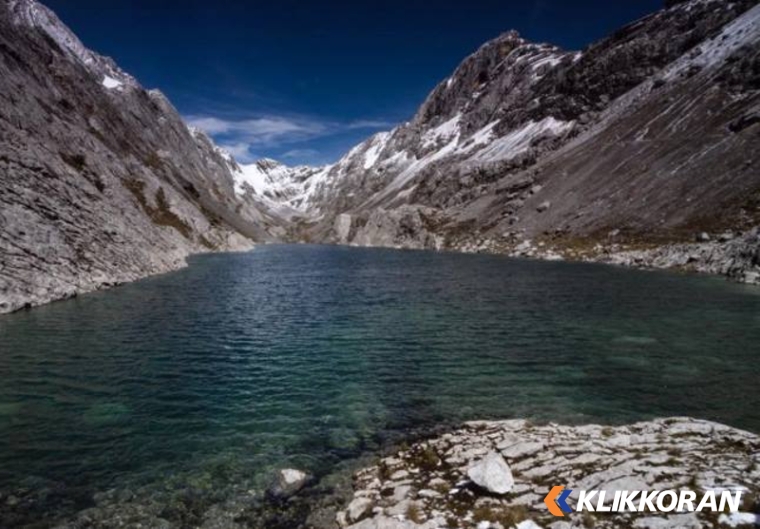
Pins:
<point x="101" y="182"/>
<point x="648" y="137"/>
<point x="622" y="152"/>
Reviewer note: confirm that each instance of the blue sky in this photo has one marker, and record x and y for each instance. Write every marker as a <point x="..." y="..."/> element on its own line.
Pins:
<point x="303" y="81"/>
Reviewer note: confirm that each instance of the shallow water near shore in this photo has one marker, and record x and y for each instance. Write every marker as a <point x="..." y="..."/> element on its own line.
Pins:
<point x="307" y="356"/>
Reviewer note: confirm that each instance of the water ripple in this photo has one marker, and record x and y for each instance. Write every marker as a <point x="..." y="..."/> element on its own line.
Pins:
<point x="305" y="355"/>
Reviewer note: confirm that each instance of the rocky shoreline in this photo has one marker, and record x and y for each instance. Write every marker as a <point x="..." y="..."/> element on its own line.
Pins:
<point x="52" y="288"/>
<point x="735" y="256"/>
<point x="731" y="253"/>
<point x="441" y="480"/>
<point x="433" y="483"/>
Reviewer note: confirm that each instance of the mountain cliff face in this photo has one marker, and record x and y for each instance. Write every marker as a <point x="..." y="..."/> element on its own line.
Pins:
<point x="622" y="152"/>
<point x="101" y="182"/>
<point x="645" y="138"/>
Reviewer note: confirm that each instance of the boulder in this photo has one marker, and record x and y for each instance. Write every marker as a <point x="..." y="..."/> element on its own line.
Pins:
<point x="385" y="522"/>
<point x="492" y="474"/>
<point x="287" y="482"/>
<point x="359" y="508"/>
<point x="543" y="206"/>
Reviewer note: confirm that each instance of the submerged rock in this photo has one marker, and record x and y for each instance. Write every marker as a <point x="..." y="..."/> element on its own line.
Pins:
<point x="287" y="482"/>
<point x="492" y="473"/>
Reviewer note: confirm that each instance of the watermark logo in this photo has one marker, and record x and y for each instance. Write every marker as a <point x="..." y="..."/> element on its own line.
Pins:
<point x="556" y="500"/>
<point x="656" y="501"/>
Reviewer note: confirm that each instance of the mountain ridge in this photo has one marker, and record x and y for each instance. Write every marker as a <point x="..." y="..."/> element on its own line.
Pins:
<point x="509" y="153"/>
<point x="622" y="152"/>
<point x="102" y="181"/>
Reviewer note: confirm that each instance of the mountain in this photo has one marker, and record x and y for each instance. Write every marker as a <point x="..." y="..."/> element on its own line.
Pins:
<point x="285" y="190"/>
<point x="623" y="152"/>
<point x="101" y="182"/>
<point x="640" y="142"/>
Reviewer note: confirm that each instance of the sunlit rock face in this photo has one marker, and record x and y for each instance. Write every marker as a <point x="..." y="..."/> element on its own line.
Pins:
<point x="101" y="182"/>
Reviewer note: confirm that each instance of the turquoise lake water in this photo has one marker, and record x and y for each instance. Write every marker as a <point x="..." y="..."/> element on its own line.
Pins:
<point x="307" y="356"/>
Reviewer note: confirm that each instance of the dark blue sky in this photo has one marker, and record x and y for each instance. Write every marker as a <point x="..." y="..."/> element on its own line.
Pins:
<point x="304" y="81"/>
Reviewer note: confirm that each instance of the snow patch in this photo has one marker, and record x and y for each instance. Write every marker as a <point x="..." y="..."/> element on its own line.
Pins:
<point x="111" y="83"/>
<point x="34" y="15"/>
<point x="714" y="52"/>
<point x="552" y="60"/>
<point x="443" y="132"/>
<point x="519" y="140"/>
<point x="480" y="138"/>
<point x="417" y="165"/>
<point x="372" y="154"/>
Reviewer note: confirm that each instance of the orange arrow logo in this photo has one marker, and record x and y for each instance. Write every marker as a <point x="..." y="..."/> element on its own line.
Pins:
<point x="551" y="500"/>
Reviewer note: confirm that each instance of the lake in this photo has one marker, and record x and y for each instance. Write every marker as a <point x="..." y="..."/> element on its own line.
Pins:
<point x="309" y="356"/>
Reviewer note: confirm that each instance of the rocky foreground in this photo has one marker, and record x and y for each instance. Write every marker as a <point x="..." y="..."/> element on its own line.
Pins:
<point x="482" y="475"/>
<point x="434" y="483"/>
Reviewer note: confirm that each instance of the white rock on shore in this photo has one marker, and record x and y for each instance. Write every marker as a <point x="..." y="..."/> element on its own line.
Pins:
<point x="492" y="473"/>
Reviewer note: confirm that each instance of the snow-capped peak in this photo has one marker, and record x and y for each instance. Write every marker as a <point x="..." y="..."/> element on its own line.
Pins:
<point x="276" y="183"/>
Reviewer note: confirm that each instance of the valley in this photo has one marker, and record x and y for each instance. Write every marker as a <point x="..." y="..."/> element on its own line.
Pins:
<point x="640" y="150"/>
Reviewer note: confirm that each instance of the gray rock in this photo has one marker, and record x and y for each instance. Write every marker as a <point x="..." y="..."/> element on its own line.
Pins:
<point x="635" y="457"/>
<point x="383" y="522"/>
<point x="521" y="449"/>
<point x="401" y="492"/>
<point x="492" y="473"/>
<point x="287" y="482"/>
<point x="343" y="224"/>
<point x="359" y="508"/>
<point x="681" y="521"/>
<point x="527" y="524"/>
<point x="99" y="185"/>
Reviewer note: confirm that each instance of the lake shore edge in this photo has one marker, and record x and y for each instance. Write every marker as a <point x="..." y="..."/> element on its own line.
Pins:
<point x="98" y="282"/>
<point x="732" y="255"/>
<point x="736" y="258"/>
